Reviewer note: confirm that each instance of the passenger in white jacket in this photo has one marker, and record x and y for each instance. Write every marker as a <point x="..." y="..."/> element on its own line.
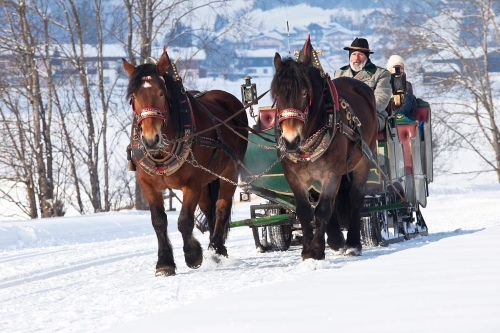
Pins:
<point x="379" y="79"/>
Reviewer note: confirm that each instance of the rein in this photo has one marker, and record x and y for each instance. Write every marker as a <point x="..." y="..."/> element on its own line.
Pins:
<point x="222" y="122"/>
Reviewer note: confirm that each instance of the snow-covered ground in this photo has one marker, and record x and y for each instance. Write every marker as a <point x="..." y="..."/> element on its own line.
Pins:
<point x="96" y="272"/>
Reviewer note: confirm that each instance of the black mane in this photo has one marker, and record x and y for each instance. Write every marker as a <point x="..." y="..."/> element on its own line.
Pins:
<point x="289" y="80"/>
<point x="141" y="71"/>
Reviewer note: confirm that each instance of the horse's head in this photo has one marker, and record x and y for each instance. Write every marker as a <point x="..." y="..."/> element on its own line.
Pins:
<point x="292" y="91"/>
<point x="148" y="96"/>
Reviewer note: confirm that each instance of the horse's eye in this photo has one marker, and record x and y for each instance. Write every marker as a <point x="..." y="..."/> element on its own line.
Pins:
<point x="304" y="93"/>
<point x="162" y="94"/>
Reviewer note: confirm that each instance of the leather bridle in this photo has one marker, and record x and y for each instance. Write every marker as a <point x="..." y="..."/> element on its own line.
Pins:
<point x="149" y="112"/>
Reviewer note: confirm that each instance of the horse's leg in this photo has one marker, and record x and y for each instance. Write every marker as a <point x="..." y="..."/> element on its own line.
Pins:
<point x="304" y="213"/>
<point x="165" y="265"/>
<point x="222" y="215"/>
<point x="193" y="254"/>
<point x="323" y="214"/>
<point x="336" y="239"/>
<point x="356" y="199"/>
<point x="340" y="216"/>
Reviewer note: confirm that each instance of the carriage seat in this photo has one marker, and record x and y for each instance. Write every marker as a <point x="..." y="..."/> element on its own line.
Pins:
<point x="421" y="115"/>
<point x="408" y="130"/>
<point x="267" y="115"/>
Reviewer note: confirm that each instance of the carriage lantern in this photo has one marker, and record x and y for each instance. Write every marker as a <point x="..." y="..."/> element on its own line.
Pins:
<point x="398" y="84"/>
<point x="244" y="196"/>
<point x="249" y="93"/>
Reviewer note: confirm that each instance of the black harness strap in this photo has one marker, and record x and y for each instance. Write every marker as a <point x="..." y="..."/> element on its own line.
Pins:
<point x="218" y="144"/>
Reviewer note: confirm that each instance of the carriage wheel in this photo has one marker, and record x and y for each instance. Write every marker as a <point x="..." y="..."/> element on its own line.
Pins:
<point x="371" y="225"/>
<point x="395" y="218"/>
<point x="280" y="237"/>
<point x="370" y="230"/>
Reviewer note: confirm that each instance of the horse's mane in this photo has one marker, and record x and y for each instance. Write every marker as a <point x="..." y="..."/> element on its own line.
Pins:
<point x="290" y="79"/>
<point x="141" y="71"/>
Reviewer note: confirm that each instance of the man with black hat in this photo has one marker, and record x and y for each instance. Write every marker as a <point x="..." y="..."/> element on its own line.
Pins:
<point x="379" y="79"/>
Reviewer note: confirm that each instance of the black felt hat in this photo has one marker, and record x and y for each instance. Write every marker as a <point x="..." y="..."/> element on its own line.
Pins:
<point x="360" y="45"/>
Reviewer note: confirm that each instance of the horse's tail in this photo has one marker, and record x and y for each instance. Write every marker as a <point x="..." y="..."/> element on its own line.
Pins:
<point x="213" y="192"/>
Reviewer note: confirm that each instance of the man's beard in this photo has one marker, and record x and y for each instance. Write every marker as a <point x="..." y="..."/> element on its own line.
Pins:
<point x="358" y="67"/>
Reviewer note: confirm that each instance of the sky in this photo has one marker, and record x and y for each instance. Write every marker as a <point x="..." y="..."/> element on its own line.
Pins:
<point x="95" y="273"/>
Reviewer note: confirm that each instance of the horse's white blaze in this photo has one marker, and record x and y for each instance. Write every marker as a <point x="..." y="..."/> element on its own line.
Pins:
<point x="147" y="85"/>
<point x="290" y="133"/>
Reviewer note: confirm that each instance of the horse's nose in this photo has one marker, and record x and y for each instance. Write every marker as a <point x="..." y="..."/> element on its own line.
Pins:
<point x="151" y="142"/>
<point x="292" y="146"/>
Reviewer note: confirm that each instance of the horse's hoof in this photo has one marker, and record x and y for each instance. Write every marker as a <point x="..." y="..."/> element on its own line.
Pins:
<point x="194" y="266"/>
<point x="352" y="252"/>
<point x="338" y="252"/>
<point x="337" y="245"/>
<point x="165" y="271"/>
<point x="316" y="255"/>
<point x="193" y="262"/>
<point x="193" y="256"/>
<point x="220" y="250"/>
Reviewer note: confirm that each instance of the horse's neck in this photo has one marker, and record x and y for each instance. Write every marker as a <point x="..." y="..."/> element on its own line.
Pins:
<point x="172" y="129"/>
<point x="314" y="122"/>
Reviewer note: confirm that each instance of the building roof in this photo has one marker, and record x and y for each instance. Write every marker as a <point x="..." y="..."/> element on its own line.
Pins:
<point x="259" y="53"/>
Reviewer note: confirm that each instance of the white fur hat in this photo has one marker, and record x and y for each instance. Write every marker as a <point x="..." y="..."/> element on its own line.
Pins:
<point x="395" y="60"/>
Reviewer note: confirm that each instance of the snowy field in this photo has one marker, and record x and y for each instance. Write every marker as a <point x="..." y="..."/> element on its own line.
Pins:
<point x="96" y="273"/>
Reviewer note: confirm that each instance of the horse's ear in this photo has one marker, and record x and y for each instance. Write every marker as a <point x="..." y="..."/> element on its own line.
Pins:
<point x="307" y="51"/>
<point x="163" y="63"/>
<point x="129" y="68"/>
<point x="277" y="61"/>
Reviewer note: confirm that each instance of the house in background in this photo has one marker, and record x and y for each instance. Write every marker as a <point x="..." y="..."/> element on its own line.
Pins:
<point x="446" y="66"/>
<point x="191" y="61"/>
<point x="270" y="40"/>
<point x="256" y="63"/>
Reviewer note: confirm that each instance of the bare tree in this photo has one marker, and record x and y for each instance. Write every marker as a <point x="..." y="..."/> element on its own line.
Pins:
<point x="60" y="122"/>
<point x="22" y="40"/>
<point x="456" y="42"/>
<point x="160" y="21"/>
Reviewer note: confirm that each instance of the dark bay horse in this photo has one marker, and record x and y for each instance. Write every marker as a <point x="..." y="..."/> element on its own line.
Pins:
<point x="327" y="145"/>
<point x="204" y="167"/>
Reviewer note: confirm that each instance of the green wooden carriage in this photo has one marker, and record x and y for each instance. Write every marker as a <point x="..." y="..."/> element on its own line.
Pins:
<point x="397" y="187"/>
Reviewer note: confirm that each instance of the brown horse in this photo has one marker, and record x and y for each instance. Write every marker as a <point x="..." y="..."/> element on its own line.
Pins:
<point x="326" y="145"/>
<point x="171" y="155"/>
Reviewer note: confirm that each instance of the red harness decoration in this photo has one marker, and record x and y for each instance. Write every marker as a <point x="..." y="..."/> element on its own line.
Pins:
<point x="335" y="95"/>
<point x="291" y="113"/>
